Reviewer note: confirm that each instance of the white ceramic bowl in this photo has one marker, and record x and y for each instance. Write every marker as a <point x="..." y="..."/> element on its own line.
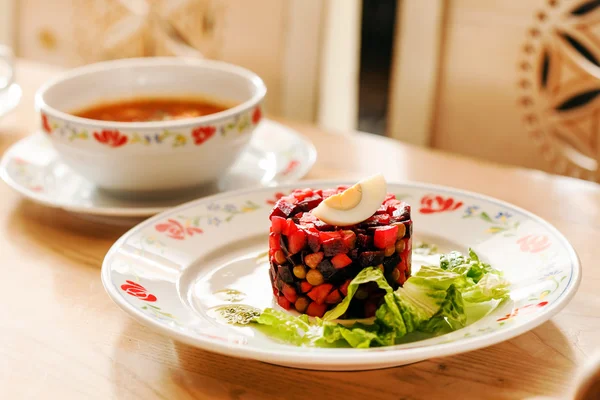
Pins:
<point x="151" y="156"/>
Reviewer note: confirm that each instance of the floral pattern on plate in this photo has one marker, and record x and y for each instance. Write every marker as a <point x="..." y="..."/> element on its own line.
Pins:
<point x="185" y="274"/>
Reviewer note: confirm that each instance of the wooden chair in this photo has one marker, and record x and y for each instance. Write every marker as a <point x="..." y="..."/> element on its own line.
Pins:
<point x="510" y="81"/>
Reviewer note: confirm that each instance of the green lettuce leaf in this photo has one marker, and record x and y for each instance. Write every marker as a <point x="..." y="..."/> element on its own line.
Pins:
<point x="470" y="266"/>
<point x="289" y="328"/>
<point x="369" y="274"/>
<point x="358" y="335"/>
<point x="451" y="314"/>
<point x="490" y="287"/>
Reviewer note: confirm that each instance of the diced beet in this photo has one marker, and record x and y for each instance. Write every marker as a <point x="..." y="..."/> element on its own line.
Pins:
<point x="390" y="263"/>
<point x="353" y="254"/>
<point x="284" y="273"/>
<point x="403" y="266"/>
<point x="409" y="230"/>
<point x="290" y="228"/>
<point x="299" y="195"/>
<point x="326" y="269"/>
<point x="385" y="236"/>
<point x="308" y="203"/>
<point x="349" y="239"/>
<point x="322" y="226"/>
<point x="340" y="261"/>
<point x="364" y="241"/>
<point x="295" y="259"/>
<point x="369" y="222"/>
<point x="296" y="218"/>
<point x="276" y="212"/>
<point x="312" y="260"/>
<point x="305" y="287"/>
<point x="331" y="247"/>
<point x="319" y="293"/>
<point x="316" y="310"/>
<point x="334" y="297"/>
<point x="274" y="241"/>
<point x="402" y="212"/>
<point x="313" y="241"/>
<point x="392" y="205"/>
<point x="283" y="302"/>
<point x="329" y="192"/>
<point x="307" y="218"/>
<point x="278" y="224"/>
<point x="383" y="219"/>
<point x="344" y="287"/>
<point x="284" y="207"/>
<point x="402" y="278"/>
<point x="370" y="258"/>
<point x="290" y="293"/>
<point x="296" y="241"/>
<point x="381" y="210"/>
<point x="370" y="309"/>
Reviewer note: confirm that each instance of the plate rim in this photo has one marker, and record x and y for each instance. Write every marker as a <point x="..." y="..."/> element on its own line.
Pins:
<point x="131" y="211"/>
<point x="368" y="360"/>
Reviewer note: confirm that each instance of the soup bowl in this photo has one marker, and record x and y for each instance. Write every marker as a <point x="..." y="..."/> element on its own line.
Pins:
<point x="151" y="156"/>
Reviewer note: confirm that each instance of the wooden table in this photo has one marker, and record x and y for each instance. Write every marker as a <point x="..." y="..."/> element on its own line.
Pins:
<point x="62" y="337"/>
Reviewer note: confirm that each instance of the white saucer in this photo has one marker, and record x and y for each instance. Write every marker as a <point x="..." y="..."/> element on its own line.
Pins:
<point x="276" y="154"/>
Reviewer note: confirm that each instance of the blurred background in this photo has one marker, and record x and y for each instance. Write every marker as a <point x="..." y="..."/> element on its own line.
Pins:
<point x="508" y="81"/>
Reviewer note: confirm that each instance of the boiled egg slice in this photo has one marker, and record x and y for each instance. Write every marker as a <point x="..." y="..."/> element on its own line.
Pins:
<point x="355" y="204"/>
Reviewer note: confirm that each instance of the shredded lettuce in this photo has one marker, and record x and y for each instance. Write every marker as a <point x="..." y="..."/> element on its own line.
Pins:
<point x="434" y="300"/>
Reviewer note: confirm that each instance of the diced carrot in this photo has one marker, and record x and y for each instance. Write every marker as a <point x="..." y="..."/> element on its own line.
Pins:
<point x="324" y="236"/>
<point x="296" y="241"/>
<point x="316" y="310"/>
<point x="319" y="293"/>
<point x="290" y="228"/>
<point x="290" y="293"/>
<point x="274" y="243"/>
<point x="305" y="287"/>
<point x="283" y="302"/>
<point x="278" y="223"/>
<point x="313" y="259"/>
<point x="385" y="236"/>
<point x="334" y="297"/>
<point x="341" y="261"/>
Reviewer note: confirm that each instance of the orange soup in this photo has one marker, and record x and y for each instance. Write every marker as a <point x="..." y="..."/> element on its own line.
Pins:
<point x="151" y="109"/>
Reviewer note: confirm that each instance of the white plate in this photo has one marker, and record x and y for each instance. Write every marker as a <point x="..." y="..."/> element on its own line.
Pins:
<point x="172" y="270"/>
<point x="276" y="154"/>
